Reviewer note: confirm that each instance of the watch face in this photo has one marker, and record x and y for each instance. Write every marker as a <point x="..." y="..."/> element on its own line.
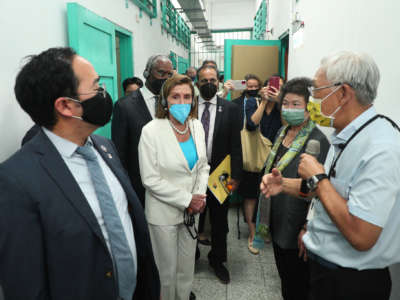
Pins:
<point x="310" y="183"/>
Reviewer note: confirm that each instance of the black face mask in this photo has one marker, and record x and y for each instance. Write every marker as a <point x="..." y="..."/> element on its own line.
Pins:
<point x="97" y="110"/>
<point x="252" y="93"/>
<point x="208" y="90"/>
<point x="156" y="85"/>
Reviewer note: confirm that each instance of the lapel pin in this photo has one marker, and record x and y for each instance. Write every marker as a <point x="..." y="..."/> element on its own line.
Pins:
<point x="103" y="148"/>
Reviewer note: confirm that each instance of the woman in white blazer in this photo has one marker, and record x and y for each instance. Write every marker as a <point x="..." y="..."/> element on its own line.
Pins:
<point x="174" y="171"/>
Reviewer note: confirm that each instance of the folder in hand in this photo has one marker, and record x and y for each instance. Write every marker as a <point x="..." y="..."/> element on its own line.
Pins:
<point x="219" y="178"/>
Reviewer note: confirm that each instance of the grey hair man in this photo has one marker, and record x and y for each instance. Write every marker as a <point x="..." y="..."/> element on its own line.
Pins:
<point x="352" y="235"/>
<point x="134" y="111"/>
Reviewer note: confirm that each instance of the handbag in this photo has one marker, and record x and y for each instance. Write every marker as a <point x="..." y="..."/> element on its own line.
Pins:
<point x="255" y="148"/>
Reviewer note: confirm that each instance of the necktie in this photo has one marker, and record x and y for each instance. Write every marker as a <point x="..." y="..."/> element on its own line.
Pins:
<point x="120" y="251"/>
<point x="205" y="120"/>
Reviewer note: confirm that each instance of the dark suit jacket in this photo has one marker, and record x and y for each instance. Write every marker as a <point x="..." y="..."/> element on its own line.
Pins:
<point x="30" y="134"/>
<point x="51" y="245"/>
<point x="288" y="213"/>
<point x="240" y="102"/>
<point x="226" y="137"/>
<point x="130" y="115"/>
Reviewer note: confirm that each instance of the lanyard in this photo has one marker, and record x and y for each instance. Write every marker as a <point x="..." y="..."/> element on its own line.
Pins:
<point x="332" y="171"/>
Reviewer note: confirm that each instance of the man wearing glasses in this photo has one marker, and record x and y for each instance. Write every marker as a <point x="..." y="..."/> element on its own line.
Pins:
<point x="352" y="234"/>
<point x="134" y="111"/>
<point x="71" y="226"/>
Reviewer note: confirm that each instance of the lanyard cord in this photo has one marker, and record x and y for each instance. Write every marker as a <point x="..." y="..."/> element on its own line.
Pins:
<point x="332" y="171"/>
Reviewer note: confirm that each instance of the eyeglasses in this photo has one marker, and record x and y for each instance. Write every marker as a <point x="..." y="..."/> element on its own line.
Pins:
<point x="101" y="90"/>
<point x="212" y="80"/>
<point x="162" y="73"/>
<point x="312" y="89"/>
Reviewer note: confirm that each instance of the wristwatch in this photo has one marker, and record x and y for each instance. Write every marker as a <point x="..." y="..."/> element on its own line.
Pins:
<point x="313" y="181"/>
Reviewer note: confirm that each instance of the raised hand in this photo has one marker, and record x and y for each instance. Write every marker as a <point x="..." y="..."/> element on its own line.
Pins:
<point x="272" y="183"/>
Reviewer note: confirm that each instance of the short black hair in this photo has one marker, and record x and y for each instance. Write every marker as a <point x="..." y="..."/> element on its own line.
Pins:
<point x="209" y="61"/>
<point x="273" y="75"/>
<point x="132" y="80"/>
<point x="298" y="86"/>
<point x="204" y="68"/>
<point x="44" y="78"/>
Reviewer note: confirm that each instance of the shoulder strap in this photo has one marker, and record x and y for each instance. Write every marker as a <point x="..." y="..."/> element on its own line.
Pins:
<point x="332" y="171"/>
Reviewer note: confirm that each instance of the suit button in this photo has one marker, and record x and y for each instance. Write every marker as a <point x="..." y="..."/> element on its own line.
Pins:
<point x="109" y="274"/>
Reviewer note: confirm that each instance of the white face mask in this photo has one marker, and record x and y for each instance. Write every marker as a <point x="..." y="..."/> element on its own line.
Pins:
<point x="314" y="107"/>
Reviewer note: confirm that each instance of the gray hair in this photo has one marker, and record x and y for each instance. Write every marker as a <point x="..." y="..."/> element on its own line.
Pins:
<point x="153" y="60"/>
<point x="358" y="70"/>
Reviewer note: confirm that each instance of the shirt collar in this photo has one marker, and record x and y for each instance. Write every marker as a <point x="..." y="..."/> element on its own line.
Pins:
<point x="212" y="101"/>
<point x="65" y="147"/>
<point x="147" y="94"/>
<point x="348" y="131"/>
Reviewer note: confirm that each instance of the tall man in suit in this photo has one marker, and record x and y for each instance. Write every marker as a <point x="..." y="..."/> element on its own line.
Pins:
<point x="71" y="226"/>
<point x="134" y="111"/>
<point x="220" y="119"/>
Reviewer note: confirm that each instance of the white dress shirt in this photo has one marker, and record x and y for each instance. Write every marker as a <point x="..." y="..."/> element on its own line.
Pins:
<point x="213" y="113"/>
<point x="78" y="167"/>
<point x="150" y="100"/>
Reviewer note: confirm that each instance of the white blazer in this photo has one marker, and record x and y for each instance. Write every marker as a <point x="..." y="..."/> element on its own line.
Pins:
<point x="165" y="171"/>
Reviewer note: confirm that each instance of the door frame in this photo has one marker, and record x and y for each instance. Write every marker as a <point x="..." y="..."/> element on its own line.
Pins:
<point x="126" y="53"/>
<point x="284" y="62"/>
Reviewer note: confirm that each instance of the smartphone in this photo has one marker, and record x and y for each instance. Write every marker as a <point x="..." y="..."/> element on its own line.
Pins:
<point x="274" y="81"/>
<point x="239" y="85"/>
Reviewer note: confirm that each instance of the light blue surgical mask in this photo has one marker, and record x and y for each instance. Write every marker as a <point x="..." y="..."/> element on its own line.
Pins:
<point x="180" y="112"/>
<point x="293" y="116"/>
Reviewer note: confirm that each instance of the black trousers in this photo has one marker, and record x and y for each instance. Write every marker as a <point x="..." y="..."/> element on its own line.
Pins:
<point x="348" y="284"/>
<point x="219" y="228"/>
<point x="293" y="272"/>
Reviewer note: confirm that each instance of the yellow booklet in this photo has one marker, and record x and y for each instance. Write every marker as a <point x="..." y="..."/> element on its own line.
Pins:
<point x="218" y="180"/>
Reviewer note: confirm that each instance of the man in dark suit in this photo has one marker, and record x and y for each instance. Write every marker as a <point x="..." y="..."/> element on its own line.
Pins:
<point x="220" y="119"/>
<point x="71" y="226"/>
<point x="134" y="111"/>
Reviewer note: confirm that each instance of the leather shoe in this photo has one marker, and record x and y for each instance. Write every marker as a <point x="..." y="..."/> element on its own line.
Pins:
<point x="221" y="272"/>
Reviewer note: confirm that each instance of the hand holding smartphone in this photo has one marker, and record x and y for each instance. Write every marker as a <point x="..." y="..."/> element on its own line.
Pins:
<point x="274" y="82"/>
<point x="239" y="85"/>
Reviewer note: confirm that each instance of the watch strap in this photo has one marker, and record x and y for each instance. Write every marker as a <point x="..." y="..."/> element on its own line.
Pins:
<point x="304" y="190"/>
<point x="321" y="176"/>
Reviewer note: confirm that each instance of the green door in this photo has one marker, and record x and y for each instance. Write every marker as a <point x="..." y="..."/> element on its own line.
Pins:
<point x="93" y="38"/>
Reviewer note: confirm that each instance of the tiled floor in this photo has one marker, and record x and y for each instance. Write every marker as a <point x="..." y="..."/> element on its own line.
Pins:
<point x="252" y="276"/>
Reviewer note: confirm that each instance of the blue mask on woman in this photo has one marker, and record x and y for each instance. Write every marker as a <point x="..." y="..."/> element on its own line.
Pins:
<point x="180" y="112"/>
